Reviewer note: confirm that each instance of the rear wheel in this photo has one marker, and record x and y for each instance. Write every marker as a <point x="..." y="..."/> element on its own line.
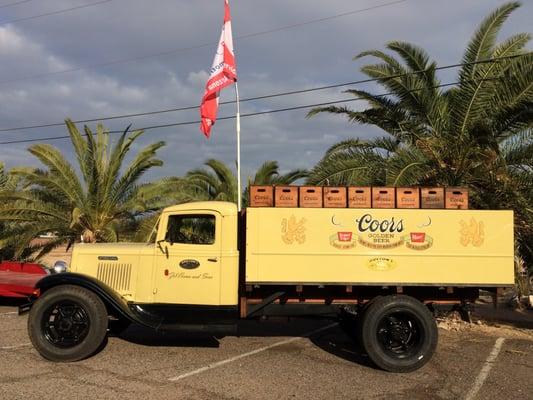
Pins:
<point x="398" y="333"/>
<point x="67" y="323"/>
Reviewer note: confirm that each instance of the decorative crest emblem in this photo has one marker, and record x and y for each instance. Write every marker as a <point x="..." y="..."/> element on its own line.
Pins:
<point x="293" y="230"/>
<point x="472" y="232"/>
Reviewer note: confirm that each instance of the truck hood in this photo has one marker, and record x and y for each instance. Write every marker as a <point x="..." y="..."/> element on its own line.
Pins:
<point x="111" y="248"/>
<point x="115" y="264"/>
<point x="86" y="257"/>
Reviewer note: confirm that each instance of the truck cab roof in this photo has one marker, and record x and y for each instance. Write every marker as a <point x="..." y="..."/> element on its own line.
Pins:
<point x="223" y="207"/>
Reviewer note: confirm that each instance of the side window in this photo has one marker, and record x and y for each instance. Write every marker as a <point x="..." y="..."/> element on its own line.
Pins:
<point x="191" y="229"/>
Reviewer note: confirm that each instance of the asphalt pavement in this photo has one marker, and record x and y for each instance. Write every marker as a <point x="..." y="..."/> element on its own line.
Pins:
<point x="273" y="359"/>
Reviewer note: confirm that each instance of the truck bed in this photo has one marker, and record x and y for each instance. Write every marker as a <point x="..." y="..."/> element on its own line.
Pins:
<point x="410" y="247"/>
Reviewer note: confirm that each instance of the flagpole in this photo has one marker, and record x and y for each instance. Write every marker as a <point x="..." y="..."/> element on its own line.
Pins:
<point x="238" y="127"/>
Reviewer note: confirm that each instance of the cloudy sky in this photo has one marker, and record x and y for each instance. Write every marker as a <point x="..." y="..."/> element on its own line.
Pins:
<point x="127" y="56"/>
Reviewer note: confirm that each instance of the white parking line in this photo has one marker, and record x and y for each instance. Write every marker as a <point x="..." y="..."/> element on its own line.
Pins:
<point x="17" y="346"/>
<point x="9" y="313"/>
<point x="250" y="353"/>
<point x="484" y="373"/>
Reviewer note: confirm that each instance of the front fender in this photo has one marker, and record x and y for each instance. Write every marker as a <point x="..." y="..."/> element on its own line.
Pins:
<point x="110" y="298"/>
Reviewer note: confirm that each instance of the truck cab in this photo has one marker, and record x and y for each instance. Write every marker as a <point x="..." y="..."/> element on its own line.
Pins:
<point x="191" y="259"/>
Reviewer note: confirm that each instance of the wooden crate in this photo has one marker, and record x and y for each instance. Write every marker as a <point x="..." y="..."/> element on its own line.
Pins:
<point x="261" y="196"/>
<point x="359" y="197"/>
<point x="335" y="197"/>
<point x="310" y="196"/>
<point x="432" y="197"/>
<point x="407" y="197"/>
<point x="383" y="197"/>
<point x="456" y="198"/>
<point x="286" y="196"/>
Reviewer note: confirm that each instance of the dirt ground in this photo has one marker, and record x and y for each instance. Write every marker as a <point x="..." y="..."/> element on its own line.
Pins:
<point x="486" y="320"/>
<point x="491" y="358"/>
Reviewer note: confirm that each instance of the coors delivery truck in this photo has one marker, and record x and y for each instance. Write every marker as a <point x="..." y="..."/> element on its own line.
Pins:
<point x="381" y="261"/>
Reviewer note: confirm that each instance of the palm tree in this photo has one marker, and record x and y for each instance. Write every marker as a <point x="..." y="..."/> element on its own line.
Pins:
<point x="155" y="196"/>
<point x="220" y="183"/>
<point x="7" y="183"/>
<point x="216" y="183"/>
<point x="476" y="133"/>
<point x="3" y="177"/>
<point x="92" y="206"/>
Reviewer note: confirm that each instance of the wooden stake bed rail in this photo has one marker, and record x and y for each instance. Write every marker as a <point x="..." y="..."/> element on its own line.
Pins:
<point x="342" y="295"/>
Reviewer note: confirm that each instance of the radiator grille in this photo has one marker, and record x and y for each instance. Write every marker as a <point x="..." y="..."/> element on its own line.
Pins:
<point x="116" y="275"/>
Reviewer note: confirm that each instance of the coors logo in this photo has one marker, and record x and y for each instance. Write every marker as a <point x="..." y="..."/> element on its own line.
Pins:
<point x="368" y="223"/>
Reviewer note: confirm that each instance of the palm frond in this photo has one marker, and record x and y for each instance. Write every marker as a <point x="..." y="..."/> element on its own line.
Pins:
<point x="266" y="173"/>
<point x="481" y="46"/>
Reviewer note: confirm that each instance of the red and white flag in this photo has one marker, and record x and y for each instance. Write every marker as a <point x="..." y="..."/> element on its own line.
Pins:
<point x="223" y="73"/>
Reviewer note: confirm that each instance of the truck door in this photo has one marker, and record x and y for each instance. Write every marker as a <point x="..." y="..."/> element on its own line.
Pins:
<point x="187" y="259"/>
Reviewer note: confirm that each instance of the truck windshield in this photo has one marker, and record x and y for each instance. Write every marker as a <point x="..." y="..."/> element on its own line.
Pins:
<point x="153" y="233"/>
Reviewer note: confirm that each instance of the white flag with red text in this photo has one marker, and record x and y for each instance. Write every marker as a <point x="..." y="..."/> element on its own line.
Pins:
<point x="223" y="73"/>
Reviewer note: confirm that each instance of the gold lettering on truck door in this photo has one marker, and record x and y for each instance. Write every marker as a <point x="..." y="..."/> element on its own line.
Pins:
<point x="293" y="230"/>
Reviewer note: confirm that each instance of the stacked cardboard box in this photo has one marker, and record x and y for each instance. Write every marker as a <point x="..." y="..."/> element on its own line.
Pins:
<point x="335" y="197"/>
<point x="310" y="196"/>
<point x="407" y="197"/>
<point x="358" y="197"/>
<point x="383" y="197"/>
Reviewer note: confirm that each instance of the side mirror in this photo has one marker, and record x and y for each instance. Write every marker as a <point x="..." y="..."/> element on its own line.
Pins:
<point x="163" y="250"/>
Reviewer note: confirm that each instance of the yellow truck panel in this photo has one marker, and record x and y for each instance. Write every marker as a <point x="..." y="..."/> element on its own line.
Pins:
<point x="379" y="247"/>
<point x="125" y="267"/>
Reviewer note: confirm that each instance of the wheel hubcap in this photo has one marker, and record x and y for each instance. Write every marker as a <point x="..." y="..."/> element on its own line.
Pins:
<point x="65" y="324"/>
<point x="399" y="334"/>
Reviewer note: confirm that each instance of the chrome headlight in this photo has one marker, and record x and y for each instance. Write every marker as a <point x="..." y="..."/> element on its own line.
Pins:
<point x="60" y="267"/>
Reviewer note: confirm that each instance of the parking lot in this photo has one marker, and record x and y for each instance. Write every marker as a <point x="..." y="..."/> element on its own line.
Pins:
<point x="275" y="359"/>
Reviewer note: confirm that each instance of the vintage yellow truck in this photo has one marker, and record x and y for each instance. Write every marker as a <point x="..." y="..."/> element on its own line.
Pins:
<point x="207" y="266"/>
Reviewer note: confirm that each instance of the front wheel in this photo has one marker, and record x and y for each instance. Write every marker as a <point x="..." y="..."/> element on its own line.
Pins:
<point x="398" y="333"/>
<point x="67" y="323"/>
<point x="117" y="326"/>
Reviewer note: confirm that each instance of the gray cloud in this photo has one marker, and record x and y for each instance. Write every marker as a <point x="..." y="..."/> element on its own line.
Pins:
<point x="306" y="56"/>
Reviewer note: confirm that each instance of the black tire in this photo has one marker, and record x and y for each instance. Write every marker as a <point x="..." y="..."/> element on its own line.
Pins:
<point x="351" y="323"/>
<point x="398" y="333"/>
<point x="358" y="333"/>
<point x="67" y="323"/>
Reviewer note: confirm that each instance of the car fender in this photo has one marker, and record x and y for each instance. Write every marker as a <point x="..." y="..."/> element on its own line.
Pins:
<point x="115" y="303"/>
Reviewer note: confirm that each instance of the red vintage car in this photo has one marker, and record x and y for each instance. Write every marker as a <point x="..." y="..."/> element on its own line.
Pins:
<point x="19" y="279"/>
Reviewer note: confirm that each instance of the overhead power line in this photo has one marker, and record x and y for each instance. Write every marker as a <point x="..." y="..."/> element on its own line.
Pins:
<point x="313" y="21"/>
<point x="263" y="97"/>
<point x="62" y="11"/>
<point x="182" y="49"/>
<point x="274" y="111"/>
<point x="15" y="3"/>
